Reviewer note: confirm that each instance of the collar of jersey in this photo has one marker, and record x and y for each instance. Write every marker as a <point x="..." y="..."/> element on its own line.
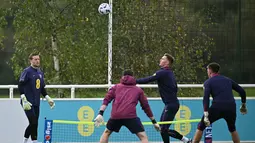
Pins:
<point x="215" y="74"/>
<point x="33" y="68"/>
<point x="165" y="68"/>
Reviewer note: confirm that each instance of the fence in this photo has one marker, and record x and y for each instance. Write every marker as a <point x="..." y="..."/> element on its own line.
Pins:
<point x="73" y="87"/>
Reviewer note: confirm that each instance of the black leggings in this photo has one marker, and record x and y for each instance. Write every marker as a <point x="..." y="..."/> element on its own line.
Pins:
<point x="168" y="114"/>
<point x="32" y="116"/>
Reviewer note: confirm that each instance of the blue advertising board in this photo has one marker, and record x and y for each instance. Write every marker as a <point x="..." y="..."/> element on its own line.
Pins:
<point x="86" y="110"/>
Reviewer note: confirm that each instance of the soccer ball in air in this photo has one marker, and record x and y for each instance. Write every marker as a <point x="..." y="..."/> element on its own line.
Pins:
<point x="104" y="8"/>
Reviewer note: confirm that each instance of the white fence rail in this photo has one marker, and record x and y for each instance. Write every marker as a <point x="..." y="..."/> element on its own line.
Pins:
<point x="73" y="87"/>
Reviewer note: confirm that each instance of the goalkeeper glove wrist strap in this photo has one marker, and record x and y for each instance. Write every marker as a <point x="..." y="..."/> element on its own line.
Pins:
<point x="153" y="121"/>
<point x="206" y="114"/>
<point x="23" y="96"/>
<point x="101" y="112"/>
<point x="47" y="97"/>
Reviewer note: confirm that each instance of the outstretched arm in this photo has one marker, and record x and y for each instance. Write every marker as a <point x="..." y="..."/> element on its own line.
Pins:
<point x="148" y="79"/>
<point x="146" y="107"/>
<point x="242" y="94"/>
<point x="206" y="98"/>
<point x="206" y="102"/>
<point x="108" y="98"/>
<point x="240" y="90"/>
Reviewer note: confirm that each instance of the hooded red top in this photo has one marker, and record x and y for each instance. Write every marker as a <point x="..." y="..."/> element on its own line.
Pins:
<point x="125" y="96"/>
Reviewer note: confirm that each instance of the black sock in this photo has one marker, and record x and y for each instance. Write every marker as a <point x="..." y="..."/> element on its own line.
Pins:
<point x="175" y="134"/>
<point x="165" y="137"/>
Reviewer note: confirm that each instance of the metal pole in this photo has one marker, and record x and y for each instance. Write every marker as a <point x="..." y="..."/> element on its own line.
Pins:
<point x="11" y="92"/>
<point x="72" y="92"/>
<point x="110" y="46"/>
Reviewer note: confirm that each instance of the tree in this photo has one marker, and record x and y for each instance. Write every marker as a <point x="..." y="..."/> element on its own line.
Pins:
<point x="72" y="39"/>
<point x="67" y="36"/>
<point x="145" y="31"/>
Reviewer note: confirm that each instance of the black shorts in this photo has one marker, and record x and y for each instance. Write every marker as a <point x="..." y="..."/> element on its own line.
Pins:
<point x="168" y="114"/>
<point x="134" y="125"/>
<point x="216" y="114"/>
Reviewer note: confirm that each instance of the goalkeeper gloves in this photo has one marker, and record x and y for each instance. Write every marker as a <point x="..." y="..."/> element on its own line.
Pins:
<point x="99" y="119"/>
<point x="206" y="119"/>
<point x="26" y="105"/>
<point x="50" y="101"/>
<point x="243" y="108"/>
<point x="156" y="125"/>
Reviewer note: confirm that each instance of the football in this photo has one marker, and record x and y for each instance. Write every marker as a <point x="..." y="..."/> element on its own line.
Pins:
<point x="104" y="8"/>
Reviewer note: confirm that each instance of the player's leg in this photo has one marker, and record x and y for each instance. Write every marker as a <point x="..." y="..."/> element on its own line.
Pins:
<point x="135" y="127"/>
<point x="33" y="123"/>
<point x="165" y="116"/>
<point x="235" y="137"/>
<point x="168" y="114"/>
<point x="198" y="135"/>
<point x="113" y="125"/>
<point x="28" y="130"/>
<point x="34" y="128"/>
<point x="105" y="136"/>
<point x="30" y="116"/>
<point x="214" y="115"/>
<point x="230" y="118"/>
<point x="143" y="137"/>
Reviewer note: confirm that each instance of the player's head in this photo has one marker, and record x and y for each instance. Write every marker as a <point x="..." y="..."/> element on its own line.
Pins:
<point x="166" y="61"/>
<point x="213" y="68"/>
<point x="34" y="59"/>
<point x="128" y="72"/>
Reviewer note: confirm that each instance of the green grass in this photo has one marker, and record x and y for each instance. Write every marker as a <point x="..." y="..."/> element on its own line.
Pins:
<point x="99" y="93"/>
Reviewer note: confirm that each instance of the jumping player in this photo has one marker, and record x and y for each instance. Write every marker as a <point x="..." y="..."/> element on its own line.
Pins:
<point x="167" y="87"/>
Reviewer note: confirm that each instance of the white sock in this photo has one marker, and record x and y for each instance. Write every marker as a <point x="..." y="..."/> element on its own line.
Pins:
<point x="25" y="140"/>
<point x="185" y="139"/>
<point x="35" y="141"/>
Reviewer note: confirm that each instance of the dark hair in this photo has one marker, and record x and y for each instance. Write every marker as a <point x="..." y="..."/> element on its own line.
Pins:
<point x="128" y="72"/>
<point x="32" y="55"/>
<point x="215" y="67"/>
<point x="169" y="57"/>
